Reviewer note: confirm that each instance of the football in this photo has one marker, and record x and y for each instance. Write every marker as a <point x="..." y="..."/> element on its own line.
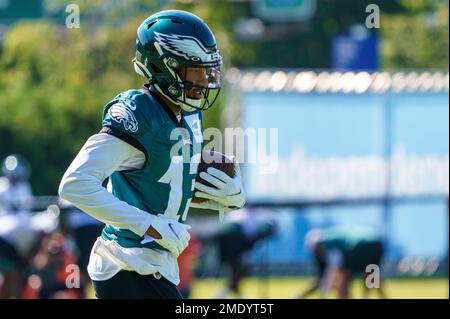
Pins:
<point x="214" y="159"/>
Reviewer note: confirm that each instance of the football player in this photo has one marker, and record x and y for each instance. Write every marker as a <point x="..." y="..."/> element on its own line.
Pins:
<point x="16" y="238"/>
<point x="341" y="253"/>
<point x="149" y="147"/>
<point x="235" y="240"/>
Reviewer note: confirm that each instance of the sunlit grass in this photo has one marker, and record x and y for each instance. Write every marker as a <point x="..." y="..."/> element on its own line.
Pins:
<point x="292" y="287"/>
<point x="287" y="288"/>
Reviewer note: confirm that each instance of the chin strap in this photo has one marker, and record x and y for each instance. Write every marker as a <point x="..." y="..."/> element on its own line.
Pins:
<point x="184" y="106"/>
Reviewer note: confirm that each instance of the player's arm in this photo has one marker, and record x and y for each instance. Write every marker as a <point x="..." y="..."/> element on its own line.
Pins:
<point x="81" y="185"/>
<point x="331" y="274"/>
<point x="333" y="260"/>
<point x="320" y="265"/>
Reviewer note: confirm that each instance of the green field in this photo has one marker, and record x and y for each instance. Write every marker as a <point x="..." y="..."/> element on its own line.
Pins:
<point x="290" y="287"/>
<point x="287" y="288"/>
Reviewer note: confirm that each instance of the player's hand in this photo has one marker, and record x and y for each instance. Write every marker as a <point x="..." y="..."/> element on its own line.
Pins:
<point x="174" y="236"/>
<point x="228" y="191"/>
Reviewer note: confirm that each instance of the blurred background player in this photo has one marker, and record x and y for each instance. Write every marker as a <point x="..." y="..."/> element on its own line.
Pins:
<point x="15" y="239"/>
<point x="235" y="239"/>
<point x="51" y="268"/>
<point x="22" y="233"/>
<point x="340" y="254"/>
<point x="84" y="230"/>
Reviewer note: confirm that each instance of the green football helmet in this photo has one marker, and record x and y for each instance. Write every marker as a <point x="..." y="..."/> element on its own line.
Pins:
<point x="173" y="42"/>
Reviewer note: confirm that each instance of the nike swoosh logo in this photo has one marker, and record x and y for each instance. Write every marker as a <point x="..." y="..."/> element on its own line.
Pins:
<point x="170" y="225"/>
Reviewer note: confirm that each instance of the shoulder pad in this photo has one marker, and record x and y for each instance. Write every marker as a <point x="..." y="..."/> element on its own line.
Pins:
<point x="127" y="114"/>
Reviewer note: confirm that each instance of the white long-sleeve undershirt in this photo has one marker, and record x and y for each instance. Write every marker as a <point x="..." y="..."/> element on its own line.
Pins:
<point x="101" y="155"/>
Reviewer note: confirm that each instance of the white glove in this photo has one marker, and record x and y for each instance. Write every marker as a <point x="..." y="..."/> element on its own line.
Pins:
<point x="175" y="235"/>
<point x="228" y="190"/>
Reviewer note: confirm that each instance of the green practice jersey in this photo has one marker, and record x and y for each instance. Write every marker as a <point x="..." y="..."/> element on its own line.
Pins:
<point x="172" y="148"/>
<point x="346" y="238"/>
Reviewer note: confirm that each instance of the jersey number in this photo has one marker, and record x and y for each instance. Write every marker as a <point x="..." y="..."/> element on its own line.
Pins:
<point x="174" y="177"/>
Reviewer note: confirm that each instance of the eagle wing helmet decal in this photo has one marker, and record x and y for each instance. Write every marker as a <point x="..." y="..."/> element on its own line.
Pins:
<point x="187" y="47"/>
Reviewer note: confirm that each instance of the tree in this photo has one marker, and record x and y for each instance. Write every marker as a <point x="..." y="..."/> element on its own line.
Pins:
<point x="418" y="38"/>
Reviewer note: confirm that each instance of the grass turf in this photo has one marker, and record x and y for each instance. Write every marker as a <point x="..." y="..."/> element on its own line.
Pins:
<point x="280" y="288"/>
